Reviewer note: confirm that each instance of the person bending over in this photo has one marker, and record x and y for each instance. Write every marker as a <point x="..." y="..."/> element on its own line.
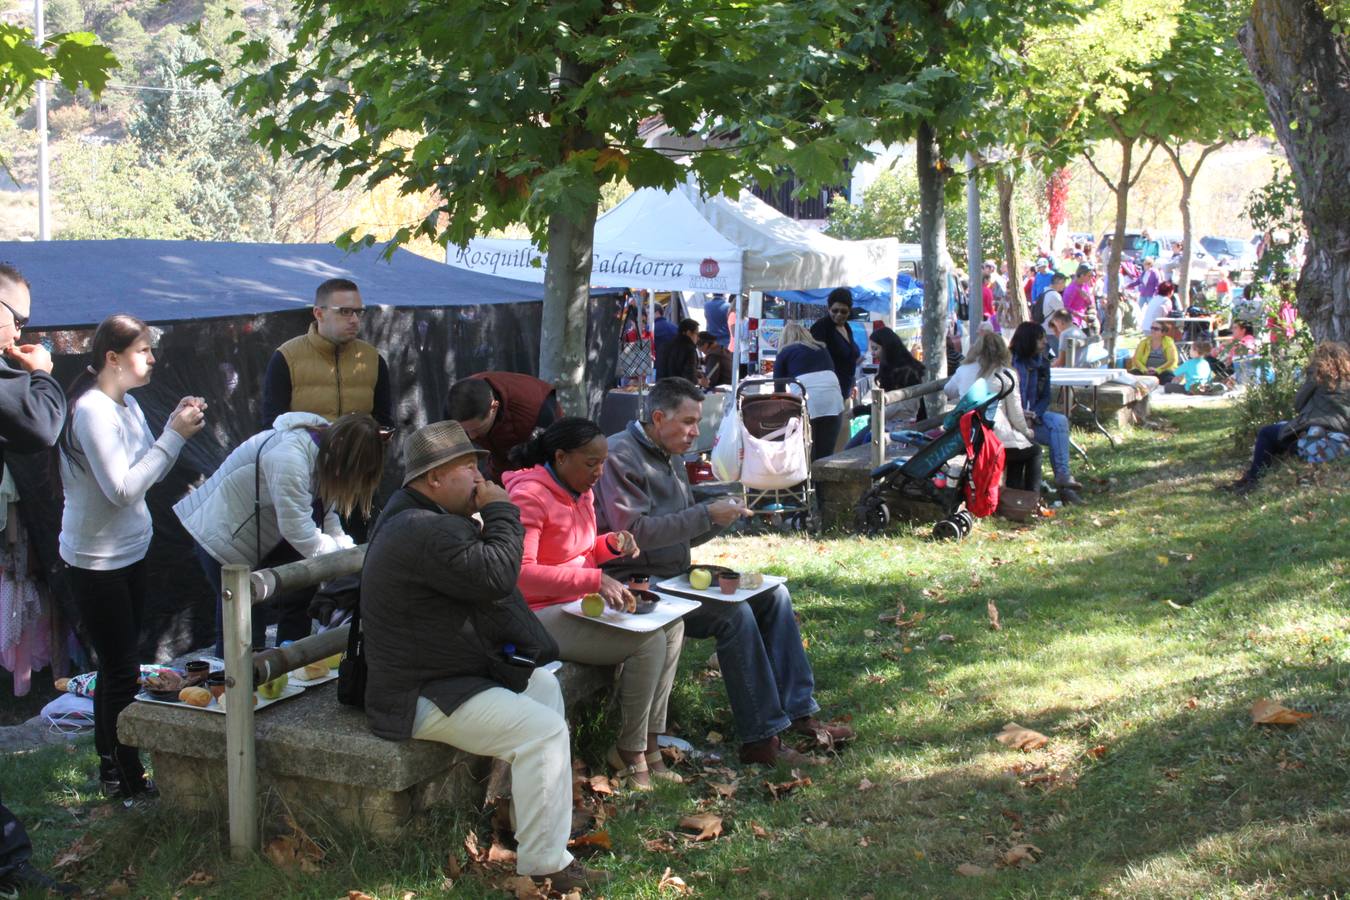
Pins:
<point x="499" y="410"/>
<point x="644" y="490"/>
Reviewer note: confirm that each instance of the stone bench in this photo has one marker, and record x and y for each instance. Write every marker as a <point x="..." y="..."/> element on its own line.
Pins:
<point x="316" y="753"/>
<point x="843" y="478"/>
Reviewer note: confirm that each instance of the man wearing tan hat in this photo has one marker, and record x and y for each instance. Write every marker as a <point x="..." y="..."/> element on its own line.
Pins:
<point x="452" y="650"/>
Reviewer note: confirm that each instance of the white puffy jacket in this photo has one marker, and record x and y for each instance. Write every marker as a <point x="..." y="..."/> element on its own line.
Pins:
<point x="219" y="514"/>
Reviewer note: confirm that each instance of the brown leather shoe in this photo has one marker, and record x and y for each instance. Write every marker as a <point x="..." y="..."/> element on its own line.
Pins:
<point x="576" y="876"/>
<point x="813" y="726"/>
<point x="772" y="752"/>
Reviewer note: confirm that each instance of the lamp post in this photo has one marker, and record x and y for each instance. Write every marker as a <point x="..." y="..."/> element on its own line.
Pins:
<point x="44" y="206"/>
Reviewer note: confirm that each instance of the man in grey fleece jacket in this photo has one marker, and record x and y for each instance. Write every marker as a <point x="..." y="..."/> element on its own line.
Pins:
<point x="644" y="490"/>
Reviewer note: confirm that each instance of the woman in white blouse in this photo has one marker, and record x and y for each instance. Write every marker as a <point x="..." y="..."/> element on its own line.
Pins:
<point x="108" y="460"/>
<point x="991" y="360"/>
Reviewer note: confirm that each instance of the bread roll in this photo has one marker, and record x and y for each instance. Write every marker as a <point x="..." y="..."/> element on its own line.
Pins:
<point x="316" y="670"/>
<point x="752" y="581"/>
<point x="61" y="683"/>
<point x="195" y="696"/>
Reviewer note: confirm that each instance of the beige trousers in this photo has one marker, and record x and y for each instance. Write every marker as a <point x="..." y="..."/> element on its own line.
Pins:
<point x="529" y="731"/>
<point x="649" y="661"/>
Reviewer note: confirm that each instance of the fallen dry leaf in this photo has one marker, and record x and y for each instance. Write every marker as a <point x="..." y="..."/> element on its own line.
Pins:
<point x="1019" y="738"/>
<point x="714" y="737"/>
<point x="1021" y="855"/>
<point x="865" y="785"/>
<point x="197" y="879"/>
<point x="1268" y="712"/>
<point x="672" y="882"/>
<point x="970" y="870"/>
<point x="660" y="845"/>
<point x="993" y="617"/>
<point x="758" y="830"/>
<point x="118" y="887"/>
<point x="596" y="840"/>
<point x="76" y="853"/>
<point x="500" y="855"/>
<point x="359" y="895"/>
<point x="600" y="784"/>
<point x="780" y="789"/>
<point x="1097" y="752"/>
<point x="524" y="888"/>
<point x="723" y="790"/>
<point x="946" y="638"/>
<point x="708" y="826"/>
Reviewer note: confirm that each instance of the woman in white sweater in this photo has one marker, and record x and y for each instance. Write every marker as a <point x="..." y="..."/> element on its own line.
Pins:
<point x="277" y="498"/>
<point x="108" y="460"/>
<point x="991" y="360"/>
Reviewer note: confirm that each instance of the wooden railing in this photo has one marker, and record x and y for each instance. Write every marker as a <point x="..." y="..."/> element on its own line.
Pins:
<point x="881" y="399"/>
<point x="245" y="670"/>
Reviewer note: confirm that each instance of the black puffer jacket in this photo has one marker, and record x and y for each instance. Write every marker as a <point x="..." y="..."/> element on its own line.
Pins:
<point x="438" y="603"/>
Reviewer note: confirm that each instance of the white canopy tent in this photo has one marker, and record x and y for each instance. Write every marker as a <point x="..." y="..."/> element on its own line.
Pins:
<point x="681" y="240"/>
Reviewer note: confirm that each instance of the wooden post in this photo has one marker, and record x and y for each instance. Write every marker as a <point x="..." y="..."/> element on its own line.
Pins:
<point x="241" y="765"/>
<point x="878" y="427"/>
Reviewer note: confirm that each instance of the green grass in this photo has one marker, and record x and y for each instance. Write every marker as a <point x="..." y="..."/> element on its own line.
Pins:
<point x="1155" y="782"/>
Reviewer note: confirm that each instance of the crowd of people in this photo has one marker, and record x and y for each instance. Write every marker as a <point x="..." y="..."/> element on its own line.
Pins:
<point x="508" y="510"/>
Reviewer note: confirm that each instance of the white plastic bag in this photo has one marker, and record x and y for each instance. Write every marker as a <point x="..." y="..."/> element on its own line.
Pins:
<point x="726" y="451"/>
<point x="776" y="461"/>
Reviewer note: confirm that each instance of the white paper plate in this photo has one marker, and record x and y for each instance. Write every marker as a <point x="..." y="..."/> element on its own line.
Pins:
<point x="668" y="610"/>
<point x="296" y="678"/>
<point x="680" y="585"/>
<point x="291" y="690"/>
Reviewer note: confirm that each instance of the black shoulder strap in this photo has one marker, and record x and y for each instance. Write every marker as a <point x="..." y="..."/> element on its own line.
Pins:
<point x="257" y="500"/>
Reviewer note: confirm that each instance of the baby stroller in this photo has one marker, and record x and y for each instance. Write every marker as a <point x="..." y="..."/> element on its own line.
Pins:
<point x="776" y="443"/>
<point x="929" y="477"/>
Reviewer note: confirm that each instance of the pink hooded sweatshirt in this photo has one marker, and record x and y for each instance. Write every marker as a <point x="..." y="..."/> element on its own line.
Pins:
<point x="562" y="551"/>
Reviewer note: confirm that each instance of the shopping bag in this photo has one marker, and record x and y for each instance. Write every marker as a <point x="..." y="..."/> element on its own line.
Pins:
<point x="726" y="451"/>
<point x="778" y="460"/>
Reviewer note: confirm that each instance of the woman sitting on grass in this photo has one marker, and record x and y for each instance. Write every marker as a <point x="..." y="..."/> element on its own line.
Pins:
<point x="1156" y="355"/>
<point x="1322" y="403"/>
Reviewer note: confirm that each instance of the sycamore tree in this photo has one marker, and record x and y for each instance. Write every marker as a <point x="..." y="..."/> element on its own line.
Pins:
<point x="523" y="113"/>
<point x="1209" y="100"/>
<point x="929" y="72"/>
<point x="1299" y="52"/>
<point x="76" y="59"/>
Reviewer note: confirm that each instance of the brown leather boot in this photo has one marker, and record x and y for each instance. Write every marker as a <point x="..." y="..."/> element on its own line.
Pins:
<point x="575" y="876"/>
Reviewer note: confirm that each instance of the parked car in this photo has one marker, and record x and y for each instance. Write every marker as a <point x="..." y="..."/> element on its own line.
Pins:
<point x="1134" y="241"/>
<point x="1240" y="254"/>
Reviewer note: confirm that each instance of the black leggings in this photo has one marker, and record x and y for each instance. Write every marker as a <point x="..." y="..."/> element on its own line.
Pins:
<point x="110" y="604"/>
<point x="1022" y="468"/>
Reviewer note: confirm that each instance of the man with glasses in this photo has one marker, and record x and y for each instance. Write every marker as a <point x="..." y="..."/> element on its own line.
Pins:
<point x="329" y="371"/>
<point x="32" y="411"/>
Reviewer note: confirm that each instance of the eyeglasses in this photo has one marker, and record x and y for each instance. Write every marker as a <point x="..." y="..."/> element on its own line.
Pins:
<point x="1155" y="329"/>
<point x="19" y="321"/>
<point x="347" y="312"/>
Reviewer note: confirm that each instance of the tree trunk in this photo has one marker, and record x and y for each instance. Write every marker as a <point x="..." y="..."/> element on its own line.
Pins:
<point x="1016" y="308"/>
<point x="567" y="296"/>
<point x="567" y="280"/>
<point x="1303" y="68"/>
<point x="1122" y="188"/>
<point x="1187" y="238"/>
<point x="933" y="248"/>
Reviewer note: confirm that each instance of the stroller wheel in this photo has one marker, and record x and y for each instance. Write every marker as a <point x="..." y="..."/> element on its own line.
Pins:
<point x="873" y="517"/>
<point x="946" y="530"/>
<point x="965" y="521"/>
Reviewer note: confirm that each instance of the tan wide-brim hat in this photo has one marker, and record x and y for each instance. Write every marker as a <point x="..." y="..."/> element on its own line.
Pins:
<point x="433" y="445"/>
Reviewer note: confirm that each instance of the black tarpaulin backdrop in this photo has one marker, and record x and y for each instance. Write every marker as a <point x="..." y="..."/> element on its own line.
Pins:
<point x="223" y="359"/>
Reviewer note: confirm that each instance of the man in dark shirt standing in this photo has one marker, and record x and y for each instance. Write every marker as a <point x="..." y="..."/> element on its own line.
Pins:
<point x="32" y="411"/>
<point x="679" y="357"/>
<point x="717" y="361"/>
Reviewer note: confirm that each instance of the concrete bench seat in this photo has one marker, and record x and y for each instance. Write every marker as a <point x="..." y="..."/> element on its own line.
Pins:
<point x="1118" y="405"/>
<point x="315" y="752"/>
<point x="843" y="478"/>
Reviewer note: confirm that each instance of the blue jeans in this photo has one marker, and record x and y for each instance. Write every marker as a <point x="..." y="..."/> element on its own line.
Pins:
<point x="1269" y="444"/>
<point x="764" y="666"/>
<point x="1052" y="430"/>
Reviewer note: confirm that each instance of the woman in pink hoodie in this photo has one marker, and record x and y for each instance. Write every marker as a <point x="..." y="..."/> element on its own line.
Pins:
<point x="561" y="562"/>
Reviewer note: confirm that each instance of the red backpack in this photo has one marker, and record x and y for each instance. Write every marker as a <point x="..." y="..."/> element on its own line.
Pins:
<point x="984" y="456"/>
